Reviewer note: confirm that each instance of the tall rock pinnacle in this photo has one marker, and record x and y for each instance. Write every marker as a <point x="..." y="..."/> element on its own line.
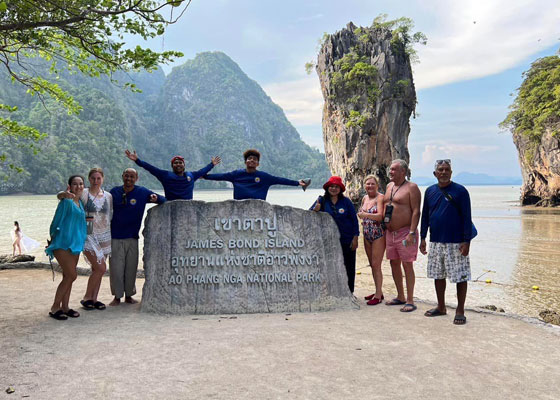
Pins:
<point x="367" y="85"/>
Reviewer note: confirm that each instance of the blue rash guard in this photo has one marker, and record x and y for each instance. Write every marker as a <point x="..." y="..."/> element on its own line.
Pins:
<point x="446" y="224"/>
<point x="128" y="211"/>
<point x="176" y="187"/>
<point x="344" y="214"/>
<point x="251" y="185"/>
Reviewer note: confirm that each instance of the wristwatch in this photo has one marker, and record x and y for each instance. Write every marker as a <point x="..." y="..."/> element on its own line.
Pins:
<point x="412" y="233"/>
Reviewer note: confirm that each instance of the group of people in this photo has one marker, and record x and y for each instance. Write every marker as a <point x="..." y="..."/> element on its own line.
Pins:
<point x="390" y="226"/>
<point x="106" y="224"/>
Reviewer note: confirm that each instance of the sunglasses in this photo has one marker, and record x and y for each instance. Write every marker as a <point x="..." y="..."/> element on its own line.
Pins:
<point x="124" y="199"/>
<point x="446" y="161"/>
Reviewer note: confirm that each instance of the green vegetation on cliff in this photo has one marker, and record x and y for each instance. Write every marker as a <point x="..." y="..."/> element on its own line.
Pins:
<point x="537" y="105"/>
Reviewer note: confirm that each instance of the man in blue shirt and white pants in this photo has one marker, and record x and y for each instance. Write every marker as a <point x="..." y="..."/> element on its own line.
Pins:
<point x="129" y="203"/>
<point x="447" y="213"/>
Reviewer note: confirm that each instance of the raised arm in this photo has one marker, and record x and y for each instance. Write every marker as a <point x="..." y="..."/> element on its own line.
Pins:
<point x="158" y="173"/>
<point x="202" y="172"/>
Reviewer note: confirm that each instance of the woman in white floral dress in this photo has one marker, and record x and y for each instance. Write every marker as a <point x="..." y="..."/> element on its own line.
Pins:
<point x="98" y="205"/>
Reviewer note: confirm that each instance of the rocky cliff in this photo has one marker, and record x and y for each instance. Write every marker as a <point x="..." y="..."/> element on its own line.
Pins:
<point x="540" y="167"/>
<point x="367" y="85"/>
<point x="534" y="121"/>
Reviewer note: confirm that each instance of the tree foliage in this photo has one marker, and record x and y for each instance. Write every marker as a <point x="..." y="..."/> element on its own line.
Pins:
<point x="403" y="38"/>
<point x="537" y="105"/>
<point x="79" y="36"/>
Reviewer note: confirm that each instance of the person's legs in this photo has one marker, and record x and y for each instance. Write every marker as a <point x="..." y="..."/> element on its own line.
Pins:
<point x="117" y="270"/>
<point x="377" y="258"/>
<point x="368" y="246"/>
<point x="461" y="297"/>
<point x="350" y="264"/>
<point x="94" y="281"/>
<point x="67" y="262"/>
<point x="398" y="278"/>
<point x="131" y="268"/>
<point x="410" y="280"/>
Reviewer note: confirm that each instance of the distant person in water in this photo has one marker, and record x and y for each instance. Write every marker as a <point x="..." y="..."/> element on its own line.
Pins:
<point x="17" y="236"/>
<point x="22" y="242"/>
<point x="249" y="183"/>
<point x="177" y="184"/>
<point x="129" y="203"/>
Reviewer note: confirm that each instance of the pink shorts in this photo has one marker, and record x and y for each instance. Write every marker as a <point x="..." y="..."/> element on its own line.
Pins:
<point x="395" y="247"/>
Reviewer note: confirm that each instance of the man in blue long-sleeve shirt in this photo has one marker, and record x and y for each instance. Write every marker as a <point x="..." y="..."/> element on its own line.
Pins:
<point x="249" y="183"/>
<point x="447" y="213"/>
<point x="177" y="184"/>
<point x="129" y="203"/>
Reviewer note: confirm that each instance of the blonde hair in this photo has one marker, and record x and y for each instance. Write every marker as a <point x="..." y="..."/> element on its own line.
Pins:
<point x="94" y="170"/>
<point x="367" y="178"/>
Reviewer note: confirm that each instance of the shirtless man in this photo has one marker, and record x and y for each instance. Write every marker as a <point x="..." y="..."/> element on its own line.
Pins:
<point x="403" y="197"/>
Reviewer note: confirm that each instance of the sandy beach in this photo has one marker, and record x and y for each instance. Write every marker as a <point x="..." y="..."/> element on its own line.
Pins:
<point x="374" y="352"/>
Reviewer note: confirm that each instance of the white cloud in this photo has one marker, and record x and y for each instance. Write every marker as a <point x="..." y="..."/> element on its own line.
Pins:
<point x="300" y="99"/>
<point x="455" y="151"/>
<point x="478" y="38"/>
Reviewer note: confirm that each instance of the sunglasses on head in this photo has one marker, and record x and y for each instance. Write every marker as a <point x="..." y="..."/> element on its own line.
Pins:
<point x="446" y="161"/>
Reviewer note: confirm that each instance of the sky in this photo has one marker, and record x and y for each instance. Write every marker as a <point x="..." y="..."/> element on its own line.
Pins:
<point x="465" y="81"/>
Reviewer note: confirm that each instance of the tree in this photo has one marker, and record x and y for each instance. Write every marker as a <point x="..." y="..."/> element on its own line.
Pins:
<point x="78" y="36"/>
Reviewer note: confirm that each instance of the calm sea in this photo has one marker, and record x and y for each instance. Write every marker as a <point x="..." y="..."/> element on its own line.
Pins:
<point x="516" y="248"/>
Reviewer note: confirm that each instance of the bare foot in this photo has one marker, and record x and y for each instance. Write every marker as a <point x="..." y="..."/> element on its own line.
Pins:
<point x="130" y="300"/>
<point x="115" y="302"/>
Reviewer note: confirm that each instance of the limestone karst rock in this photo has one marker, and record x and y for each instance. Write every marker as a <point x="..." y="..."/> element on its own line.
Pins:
<point x="367" y="84"/>
<point x="540" y="167"/>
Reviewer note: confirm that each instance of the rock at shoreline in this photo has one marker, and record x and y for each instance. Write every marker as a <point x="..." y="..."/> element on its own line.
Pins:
<point x="550" y="317"/>
<point x="492" y="307"/>
<point x="15" y="259"/>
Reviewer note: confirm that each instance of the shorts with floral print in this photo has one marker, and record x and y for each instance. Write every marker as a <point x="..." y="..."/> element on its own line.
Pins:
<point x="445" y="261"/>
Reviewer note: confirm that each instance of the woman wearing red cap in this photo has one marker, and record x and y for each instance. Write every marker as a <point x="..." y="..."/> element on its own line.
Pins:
<point x="344" y="214"/>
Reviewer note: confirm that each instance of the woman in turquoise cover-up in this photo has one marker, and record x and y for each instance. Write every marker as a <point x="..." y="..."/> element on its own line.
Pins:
<point x="68" y="234"/>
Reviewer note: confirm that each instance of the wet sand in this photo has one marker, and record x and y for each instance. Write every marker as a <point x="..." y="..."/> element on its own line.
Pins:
<point x="374" y="352"/>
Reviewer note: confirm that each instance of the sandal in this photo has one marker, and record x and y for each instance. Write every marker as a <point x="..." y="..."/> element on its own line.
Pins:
<point x="371" y="296"/>
<point x="374" y="301"/>
<point x="408" y="307"/>
<point x="59" y="315"/>
<point x="87" y="304"/>
<point x="434" y="312"/>
<point x="72" y="314"/>
<point x="99" y="305"/>
<point x="395" y="302"/>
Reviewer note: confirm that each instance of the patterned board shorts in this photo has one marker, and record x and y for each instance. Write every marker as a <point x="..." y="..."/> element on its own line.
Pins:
<point x="445" y="261"/>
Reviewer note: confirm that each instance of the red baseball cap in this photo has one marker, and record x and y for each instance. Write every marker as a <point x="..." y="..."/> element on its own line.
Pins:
<point x="177" y="158"/>
<point x="335" y="180"/>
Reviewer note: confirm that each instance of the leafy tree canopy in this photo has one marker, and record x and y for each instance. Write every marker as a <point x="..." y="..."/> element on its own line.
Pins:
<point x="79" y="36"/>
<point x="537" y="105"/>
<point x="403" y="38"/>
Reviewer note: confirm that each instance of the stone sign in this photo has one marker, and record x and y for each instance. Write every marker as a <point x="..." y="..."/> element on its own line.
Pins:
<point x="243" y="256"/>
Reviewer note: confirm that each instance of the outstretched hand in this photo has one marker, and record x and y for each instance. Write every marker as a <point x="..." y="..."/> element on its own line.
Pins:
<point x="65" y="195"/>
<point x="133" y="156"/>
<point x="153" y="198"/>
<point x="216" y="160"/>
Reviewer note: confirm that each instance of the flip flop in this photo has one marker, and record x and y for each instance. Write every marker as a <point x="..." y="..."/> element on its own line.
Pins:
<point x="99" y="305"/>
<point x="460" y="320"/>
<point x="87" y="304"/>
<point x="408" y="307"/>
<point x="395" y="302"/>
<point x="59" y="315"/>
<point x="434" y="312"/>
<point x="72" y="314"/>
<point x="371" y="296"/>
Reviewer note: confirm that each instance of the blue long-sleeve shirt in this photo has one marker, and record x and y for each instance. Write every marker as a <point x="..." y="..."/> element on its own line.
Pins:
<point x="176" y="186"/>
<point x="344" y="215"/>
<point x="128" y="210"/>
<point x="443" y="219"/>
<point x="253" y="185"/>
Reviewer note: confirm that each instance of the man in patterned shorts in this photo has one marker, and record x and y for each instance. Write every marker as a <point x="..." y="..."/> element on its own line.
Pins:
<point x="447" y="213"/>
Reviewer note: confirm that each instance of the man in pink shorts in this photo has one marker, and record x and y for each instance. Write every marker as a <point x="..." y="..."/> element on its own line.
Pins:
<point x="402" y="214"/>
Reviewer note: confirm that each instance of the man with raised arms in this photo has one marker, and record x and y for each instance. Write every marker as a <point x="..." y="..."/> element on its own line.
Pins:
<point x="129" y="203"/>
<point x="249" y="183"/>
<point x="447" y="213"/>
<point x="401" y="216"/>
<point x="177" y="184"/>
